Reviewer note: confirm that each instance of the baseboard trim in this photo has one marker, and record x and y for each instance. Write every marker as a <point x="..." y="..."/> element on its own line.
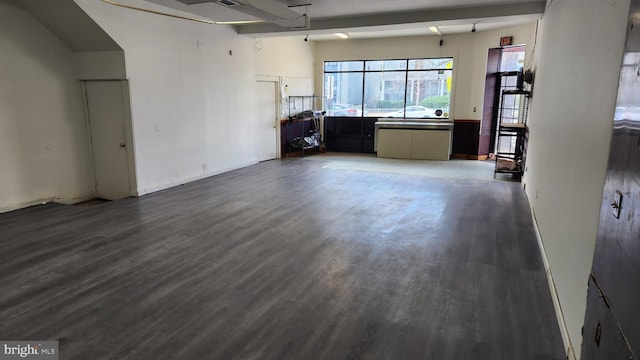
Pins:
<point x="469" y="157"/>
<point x="564" y="331"/>
<point x="24" y="204"/>
<point x="204" y="175"/>
<point x="66" y="200"/>
<point x="70" y="200"/>
<point x="459" y="156"/>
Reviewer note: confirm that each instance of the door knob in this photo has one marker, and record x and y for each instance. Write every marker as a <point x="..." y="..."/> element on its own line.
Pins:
<point x="123" y="145"/>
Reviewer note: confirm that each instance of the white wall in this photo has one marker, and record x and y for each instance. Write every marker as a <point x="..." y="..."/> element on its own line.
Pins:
<point x="100" y="65"/>
<point x="192" y="100"/>
<point x="578" y="65"/>
<point x="44" y="146"/>
<point x="483" y="41"/>
<point x="290" y="56"/>
<point x="290" y="60"/>
<point x="469" y="51"/>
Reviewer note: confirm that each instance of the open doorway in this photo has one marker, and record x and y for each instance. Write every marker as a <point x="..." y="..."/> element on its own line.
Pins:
<point x="504" y="65"/>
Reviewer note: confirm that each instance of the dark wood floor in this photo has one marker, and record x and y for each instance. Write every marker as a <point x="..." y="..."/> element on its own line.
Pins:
<point x="284" y="260"/>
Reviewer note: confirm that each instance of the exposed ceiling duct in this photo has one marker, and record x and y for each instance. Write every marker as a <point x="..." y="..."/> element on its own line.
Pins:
<point x="272" y="11"/>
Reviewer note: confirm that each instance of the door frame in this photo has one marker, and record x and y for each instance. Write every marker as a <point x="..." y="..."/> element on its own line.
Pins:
<point x="127" y="130"/>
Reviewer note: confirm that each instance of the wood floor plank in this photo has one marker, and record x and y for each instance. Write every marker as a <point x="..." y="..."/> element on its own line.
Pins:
<point x="284" y="260"/>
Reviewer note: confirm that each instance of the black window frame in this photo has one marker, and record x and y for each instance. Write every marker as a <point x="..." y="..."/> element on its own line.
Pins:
<point x="406" y="71"/>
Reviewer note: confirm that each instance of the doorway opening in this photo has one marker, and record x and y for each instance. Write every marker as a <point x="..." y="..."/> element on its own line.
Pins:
<point x="504" y="72"/>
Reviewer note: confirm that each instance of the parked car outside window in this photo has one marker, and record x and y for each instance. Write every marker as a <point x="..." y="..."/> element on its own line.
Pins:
<point x="415" y="111"/>
<point x="344" y="110"/>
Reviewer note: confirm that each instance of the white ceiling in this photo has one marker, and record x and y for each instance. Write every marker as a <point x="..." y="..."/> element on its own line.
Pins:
<point x="378" y="18"/>
<point x="422" y="29"/>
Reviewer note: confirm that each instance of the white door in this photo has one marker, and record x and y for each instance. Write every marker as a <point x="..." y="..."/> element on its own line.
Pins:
<point x="267" y="120"/>
<point x="106" y="110"/>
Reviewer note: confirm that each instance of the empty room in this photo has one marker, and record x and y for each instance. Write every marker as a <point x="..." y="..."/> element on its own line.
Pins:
<point x="280" y="179"/>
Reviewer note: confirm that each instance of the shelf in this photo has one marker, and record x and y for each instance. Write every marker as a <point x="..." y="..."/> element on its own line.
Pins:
<point x="515" y="126"/>
<point x="517" y="92"/>
<point x="512" y="132"/>
<point x="301" y="129"/>
<point x="506" y="155"/>
<point x="295" y="120"/>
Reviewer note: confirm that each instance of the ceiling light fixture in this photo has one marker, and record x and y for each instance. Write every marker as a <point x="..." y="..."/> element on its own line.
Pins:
<point x="435" y="30"/>
<point x="228" y="2"/>
<point x="341" y="35"/>
<point x="473" y="29"/>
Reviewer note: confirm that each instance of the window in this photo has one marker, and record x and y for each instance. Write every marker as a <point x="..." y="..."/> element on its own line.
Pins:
<point x="509" y="77"/>
<point x="414" y="88"/>
<point x="512" y="58"/>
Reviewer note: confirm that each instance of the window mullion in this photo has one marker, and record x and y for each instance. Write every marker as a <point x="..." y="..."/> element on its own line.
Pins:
<point x="406" y="83"/>
<point x="364" y="75"/>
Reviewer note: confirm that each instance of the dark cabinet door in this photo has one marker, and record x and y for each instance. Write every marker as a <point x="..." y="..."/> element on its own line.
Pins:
<point x="616" y="262"/>
<point x="349" y="134"/>
<point x="601" y="338"/>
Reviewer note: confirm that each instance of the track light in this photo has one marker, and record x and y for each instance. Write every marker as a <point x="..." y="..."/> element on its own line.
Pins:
<point x="473" y="29"/>
<point x="306" y="38"/>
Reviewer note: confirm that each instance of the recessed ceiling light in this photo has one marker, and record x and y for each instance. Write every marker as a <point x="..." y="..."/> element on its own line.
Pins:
<point x="228" y="2"/>
<point x="341" y="35"/>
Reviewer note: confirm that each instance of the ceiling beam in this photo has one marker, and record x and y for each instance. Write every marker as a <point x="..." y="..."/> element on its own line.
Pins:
<point x="405" y="17"/>
<point x="71" y="24"/>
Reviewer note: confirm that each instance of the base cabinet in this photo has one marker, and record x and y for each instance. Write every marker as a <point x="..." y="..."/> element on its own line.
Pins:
<point x="395" y="144"/>
<point x="601" y="335"/>
<point x="414" y="144"/>
<point x="616" y="261"/>
<point x="349" y="134"/>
